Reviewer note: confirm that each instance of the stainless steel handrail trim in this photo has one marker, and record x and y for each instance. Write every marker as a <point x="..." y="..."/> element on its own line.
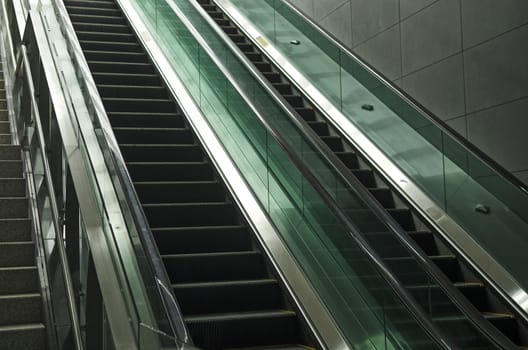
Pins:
<point x="72" y="308"/>
<point x="416" y="106"/>
<point x="172" y="310"/>
<point x="122" y="333"/>
<point x="493" y="273"/>
<point x="430" y="268"/>
<point x="265" y="231"/>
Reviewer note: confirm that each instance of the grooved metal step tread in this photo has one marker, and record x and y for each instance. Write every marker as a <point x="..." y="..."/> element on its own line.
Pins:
<point x="30" y="326"/>
<point x="214" y="254"/>
<point x="239" y="316"/>
<point x="196" y="228"/>
<point x="185" y="182"/>
<point x="224" y="283"/>
<point x="191" y="204"/>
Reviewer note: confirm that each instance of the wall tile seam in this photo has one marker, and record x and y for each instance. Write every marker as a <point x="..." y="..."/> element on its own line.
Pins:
<point x="319" y="19"/>
<point x="493" y="37"/>
<point x="418" y="11"/>
<point x="376" y="35"/>
<point x="497" y="105"/>
<point x="429" y="65"/>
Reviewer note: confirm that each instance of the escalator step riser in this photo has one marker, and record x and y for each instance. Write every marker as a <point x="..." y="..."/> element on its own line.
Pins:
<point x="222" y="298"/>
<point x="216" y="14"/>
<point x="320" y="128"/>
<point x="283" y="88"/>
<point x="244" y="332"/>
<point x="27" y="338"/>
<point x="384" y="196"/>
<point x="273" y="77"/>
<point x="350" y="159"/>
<point x="154" y="121"/>
<point x="11" y="169"/>
<point x="404" y="218"/>
<point x="74" y="10"/>
<point x="98" y="20"/>
<point x="144" y="92"/>
<point x="94" y="4"/>
<point x="168" y="136"/>
<point x="100" y="27"/>
<point x="126" y="79"/>
<point x="103" y="37"/>
<point x="15" y="230"/>
<point x="366" y="177"/>
<point x="136" y="105"/>
<point x="180" y="192"/>
<point x="110" y="46"/>
<point x="229" y="30"/>
<point x="204" y="214"/>
<point x="140" y="153"/>
<point x="214" y="267"/>
<point x="115" y="56"/>
<point x="295" y="101"/>
<point x="334" y="143"/>
<point x="11" y="208"/>
<point x="171" y="172"/>
<point x="307" y="114"/>
<point x="189" y="240"/>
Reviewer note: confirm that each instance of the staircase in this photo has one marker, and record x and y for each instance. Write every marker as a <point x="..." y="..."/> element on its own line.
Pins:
<point x="21" y="325"/>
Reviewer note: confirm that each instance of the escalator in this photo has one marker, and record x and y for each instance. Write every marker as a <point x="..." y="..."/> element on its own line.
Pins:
<point x="473" y="286"/>
<point x="227" y="290"/>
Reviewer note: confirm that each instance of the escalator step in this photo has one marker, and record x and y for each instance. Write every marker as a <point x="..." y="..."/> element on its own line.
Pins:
<point x="89" y="26"/>
<point x="237" y="38"/>
<point x="14" y="254"/>
<point x="119" y="56"/>
<point x="139" y="120"/>
<point x="295" y="100"/>
<point x="191" y="214"/>
<point x="20" y="309"/>
<point x="404" y="217"/>
<point x="121" y="104"/>
<point x="321" y="128"/>
<point x="154" y="135"/>
<point x="180" y="192"/>
<point x="254" y="56"/>
<point x="214" y="267"/>
<point x="263" y="66"/>
<point x="229" y="296"/>
<point x="283" y="88"/>
<point x="81" y="18"/>
<point x="153" y="92"/>
<point x="126" y="78"/>
<point x="202" y="239"/>
<point x="229" y="29"/>
<point x="365" y="176"/>
<point x="161" y="153"/>
<point x="350" y="159"/>
<point x="333" y="142"/>
<point x="106" y="37"/>
<point x="216" y="14"/>
<point x="384" y="196"/>
<point x="170" y="171"/>
<point x="121" y="67"/>
<point x="97" y="11"/>
<point x="272" y="77"/>
<point x="94" y="4"/>
<point x="243" y="329"/>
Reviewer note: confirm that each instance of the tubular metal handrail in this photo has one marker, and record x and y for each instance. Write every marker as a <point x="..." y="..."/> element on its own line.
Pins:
<point x="23" y="67"/>
<point x="431" y="269"/>
<point x="163" y="285"/>
<point x="499" y="169"/>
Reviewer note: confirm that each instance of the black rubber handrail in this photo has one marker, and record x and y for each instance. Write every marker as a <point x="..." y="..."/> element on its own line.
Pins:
<point x="442" y="125"/>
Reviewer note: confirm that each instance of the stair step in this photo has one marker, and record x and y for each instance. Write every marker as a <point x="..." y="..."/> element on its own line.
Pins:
<point x="161" y="153"/>
<point x="121" y="67"/>
<point x="97" y="11"/>
<point x="95" y="19"/>
<point x="214" y="267"/>
<point x="12" y="187"/>
<point x="5" y="128"/>
<point x="13" y="207"/>
<point x="388" y="245"/>
<point x="19" y="280"/>
<point x="320" y="128"/>
<point x="384" y="196"/>
<point x="27" y="337"/>
<point x="306" y="113"/>
<point x="5" y="139"/>
<point x="334" y="143"/>
<point x="180" y="192"/>
<point x="228" y="296"/>
<point x="349" y="159"/>
<point x="15" y="230"/>
<point x="191" y="214"/>
<point x="202" y="239"/>
<point x="20" y="309"/>
<point x="243" y="329"/>
<point x="14" y="254"/>
<point x="296" y="101"/>
<point x="95" y="4"/>
<point x="410" y="273"/>
<point x="365" y="176"/>
<point x="404" y="217"/>
<point x="283" y="88"/>
<point x="9" y="152"/>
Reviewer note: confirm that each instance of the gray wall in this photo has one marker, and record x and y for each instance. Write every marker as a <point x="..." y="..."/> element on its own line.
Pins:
<point x="465" y="60"/>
